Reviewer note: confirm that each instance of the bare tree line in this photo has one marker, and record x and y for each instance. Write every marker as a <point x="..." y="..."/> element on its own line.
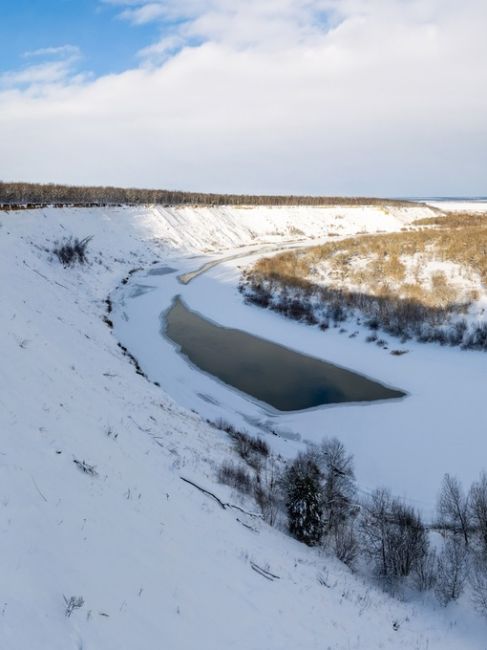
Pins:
<point x="301" y="300"/>
<point x="18" y="195"/>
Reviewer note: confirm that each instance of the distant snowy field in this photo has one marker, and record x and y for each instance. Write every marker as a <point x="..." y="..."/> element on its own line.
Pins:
<point x="460" y="205"/>
<point x="157" y="563"/>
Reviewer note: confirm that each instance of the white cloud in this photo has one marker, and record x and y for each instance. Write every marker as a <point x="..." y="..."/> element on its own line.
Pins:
<point x="159" y="52"/>
<point x="59" y="67"/>
<point x="387" y="97"/>
<point x="143" y="14"/>
<point x="64" y="51"/>
<point x="44" y="73"/>
<point x="240" y="23"/>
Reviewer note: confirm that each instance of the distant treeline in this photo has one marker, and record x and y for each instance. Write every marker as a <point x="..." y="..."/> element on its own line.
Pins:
<point x="30" y="195"/>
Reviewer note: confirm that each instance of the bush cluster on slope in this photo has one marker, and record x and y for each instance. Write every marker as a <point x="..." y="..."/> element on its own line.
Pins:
<point x="316" y="497"/>
<point x="72" y="250"/>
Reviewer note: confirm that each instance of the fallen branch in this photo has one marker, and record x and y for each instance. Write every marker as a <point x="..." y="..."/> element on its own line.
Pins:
<point x="254" y="530"/>
<point x="140" y="428"/>
<point x="222" y="504"/>
<point x="256" y="515"/>
<point x="263" y="572"/>
<point x="207" y="492"/>
<point x="85" y="468"/>
<point x="37" y="488"/>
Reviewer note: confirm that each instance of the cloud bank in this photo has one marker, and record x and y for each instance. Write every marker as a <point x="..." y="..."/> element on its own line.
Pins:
<point x="377" y="97"/>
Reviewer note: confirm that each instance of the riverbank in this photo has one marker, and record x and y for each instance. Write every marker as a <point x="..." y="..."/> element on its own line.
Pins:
<point x="407" y="446"/>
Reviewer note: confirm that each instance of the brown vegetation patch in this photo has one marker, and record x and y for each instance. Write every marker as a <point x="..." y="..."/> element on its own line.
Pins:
<point x="382" y="278"/>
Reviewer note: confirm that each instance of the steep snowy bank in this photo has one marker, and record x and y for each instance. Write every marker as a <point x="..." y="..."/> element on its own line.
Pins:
<point x="157" y="563"/>
<point x="407" y="445"/>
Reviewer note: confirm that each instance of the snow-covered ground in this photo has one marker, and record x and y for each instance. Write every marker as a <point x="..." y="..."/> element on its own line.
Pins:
<point x="158" y="563"/>
<point x="406" y="445"/>
<point x="460" y="205"/>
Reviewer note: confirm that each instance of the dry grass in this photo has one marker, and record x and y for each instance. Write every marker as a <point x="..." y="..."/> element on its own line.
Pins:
<point x="398" y="281"/>
<point x="375" y="263"/>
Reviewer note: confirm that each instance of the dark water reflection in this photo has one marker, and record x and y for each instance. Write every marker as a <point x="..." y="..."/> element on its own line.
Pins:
<point x="283" y="378"/>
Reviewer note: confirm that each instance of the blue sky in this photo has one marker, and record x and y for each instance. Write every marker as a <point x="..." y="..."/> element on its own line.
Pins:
<point x="108" y="44"/>
<point x="369" y="97"/>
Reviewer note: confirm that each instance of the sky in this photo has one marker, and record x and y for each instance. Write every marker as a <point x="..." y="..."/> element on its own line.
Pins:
<point x="350" y="97"/>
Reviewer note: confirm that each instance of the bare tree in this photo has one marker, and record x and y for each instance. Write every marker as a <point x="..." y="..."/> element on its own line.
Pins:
<point x="478" y="511"/>
<point x="345" y="542"/>
<point x="267" y="489"/>
<point x="338" y="484"/>
<point x="36" y="195"/>
<point x="424" y="572"/>
<point x="373" y="524"/>
<point x="408" y="539"/>
<point x="393" y="535"/>
<point x="478" y="583"/>
<point x="451" y="570"/>
<point x="453" y="508"/>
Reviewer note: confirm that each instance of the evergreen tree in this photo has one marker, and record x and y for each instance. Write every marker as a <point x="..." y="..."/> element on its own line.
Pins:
<point x="304" y="500"/>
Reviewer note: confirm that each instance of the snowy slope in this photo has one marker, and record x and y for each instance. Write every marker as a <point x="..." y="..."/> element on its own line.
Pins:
<point x="158" y="563"/>
<point x="406" y="445"/>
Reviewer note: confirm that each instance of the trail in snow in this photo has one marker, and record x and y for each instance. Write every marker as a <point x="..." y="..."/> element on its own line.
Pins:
<point x="186" y="278"/>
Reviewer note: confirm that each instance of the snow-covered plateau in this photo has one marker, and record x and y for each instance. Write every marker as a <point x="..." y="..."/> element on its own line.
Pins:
<point x="92" y="454"/>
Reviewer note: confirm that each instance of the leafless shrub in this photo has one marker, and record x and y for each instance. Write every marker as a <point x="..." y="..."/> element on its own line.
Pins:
<point x="72" y="603"/>
<point x="451" y="570"/>
<point x="236" y="477"/>
<point x="454" y="508"/>
<point x="252" y="450"/>
<point x="72" y="251"/>
<point x="345" y="543"/>
<point x="478" y="512"/>
<point x="267" y="490"/>
<point x="393" y="535"/>
<point x="478" y="583"/>
<point x="424" y="571"/>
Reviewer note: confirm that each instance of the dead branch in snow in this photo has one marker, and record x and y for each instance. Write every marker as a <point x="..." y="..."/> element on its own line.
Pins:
<point x="37" y="488"/>
<point x="207" y="492"/>
<point x="85" y="468"/>
<point x="254" y="530"/>
<point x="221" y="503"/>
<point x="263" y="572"/>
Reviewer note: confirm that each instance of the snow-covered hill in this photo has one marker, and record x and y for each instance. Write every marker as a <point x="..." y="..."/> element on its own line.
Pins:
<point x="158" y="563"/>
